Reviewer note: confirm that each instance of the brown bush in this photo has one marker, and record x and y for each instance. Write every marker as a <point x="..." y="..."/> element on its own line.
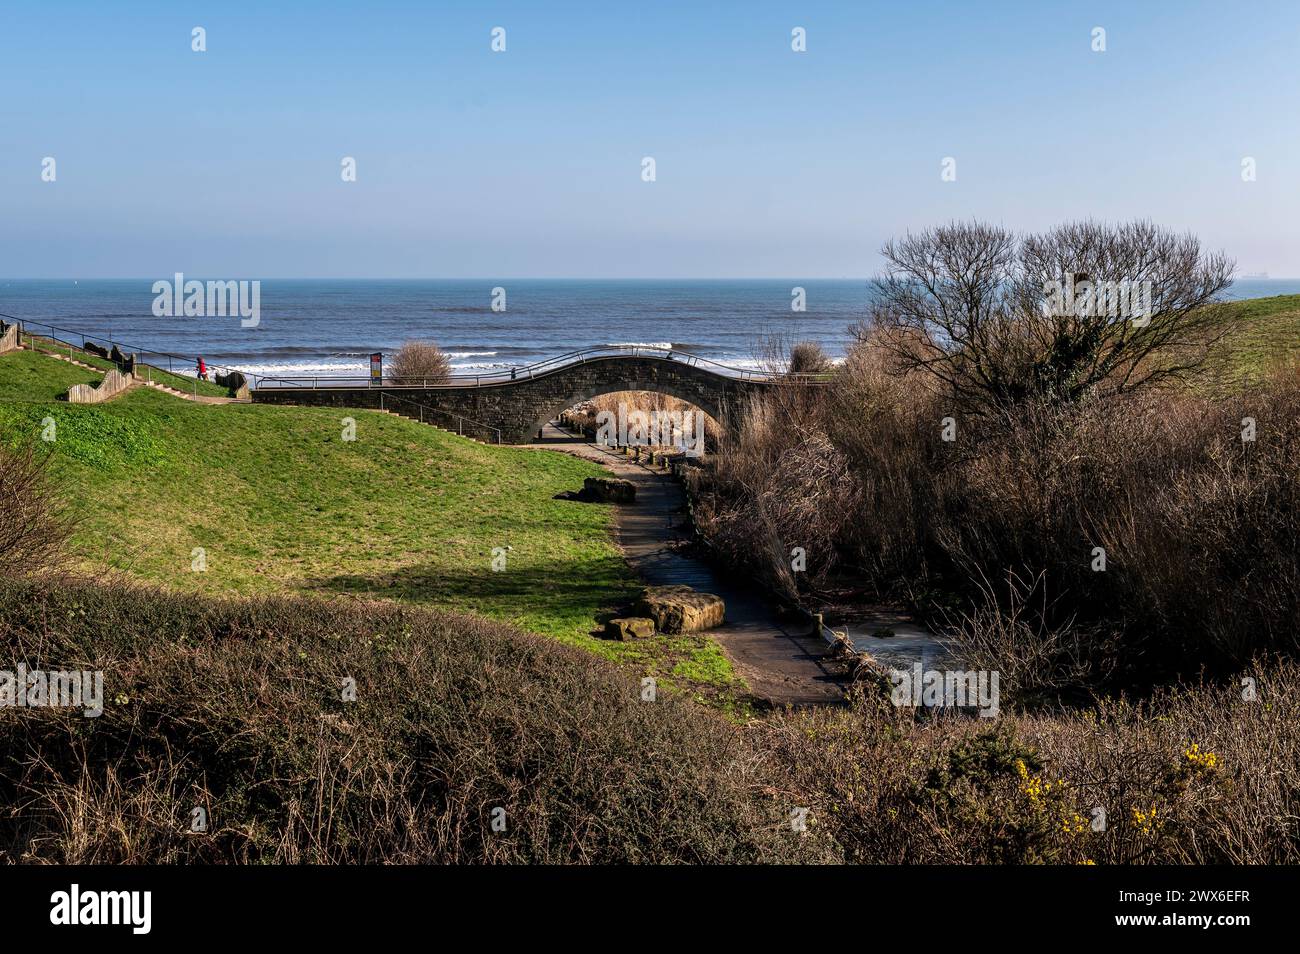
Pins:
<point x="1195" y="775"/>
<point x="419" y="363"/>
<point x="802" y="502"/>
<point x="809" y="357"/>
<point x="236" y="706"/>
<point x="34" y="525"/>
<point x="584" y="417"/>
<point x="1197" y="526"/>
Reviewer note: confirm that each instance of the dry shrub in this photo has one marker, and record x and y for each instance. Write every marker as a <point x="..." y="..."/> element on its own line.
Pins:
<point x="1208" y="544"/>
<point x="1197" y="526"/>
<point x="1036" y="661"/>
<point x="780" y="484"/>
<point x="809" y="357"/>
<point x="889" y="426"/>
<point x="419" y="363"/>
<point x="802" y="502"/>
<point x="236" y="706"/>
<point x="34" y="524"/>
<point x="1194" y="775"/>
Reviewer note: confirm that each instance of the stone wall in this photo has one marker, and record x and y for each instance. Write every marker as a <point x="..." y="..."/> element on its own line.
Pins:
<point x="8" y="336"/>
<point x="235" y="381"/>
<point x="114" y="383"/>
<point x="520" y="408"/>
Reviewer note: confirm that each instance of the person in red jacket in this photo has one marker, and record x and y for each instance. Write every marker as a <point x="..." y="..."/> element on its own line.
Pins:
<point x="203" y="370"/>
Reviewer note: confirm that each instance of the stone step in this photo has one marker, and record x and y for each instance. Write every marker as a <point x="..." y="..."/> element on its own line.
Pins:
<point x="415" y="416"/>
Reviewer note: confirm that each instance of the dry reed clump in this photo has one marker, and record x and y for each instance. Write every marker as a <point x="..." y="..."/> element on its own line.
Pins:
<point x="236" y="707"/>
<point x="585" y="417"/>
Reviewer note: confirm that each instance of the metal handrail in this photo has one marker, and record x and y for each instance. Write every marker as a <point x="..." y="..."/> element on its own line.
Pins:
<point x="550" y="365"/>
<point x="51" y="332"/>
<point x="461" y="420"/>
<point x="504" y="376"/>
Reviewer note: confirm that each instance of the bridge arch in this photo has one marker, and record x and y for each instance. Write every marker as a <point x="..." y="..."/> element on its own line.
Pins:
<point x="554" y="408"/>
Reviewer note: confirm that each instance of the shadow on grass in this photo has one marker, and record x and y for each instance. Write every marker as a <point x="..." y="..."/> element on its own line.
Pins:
<point x="554" y="591"/>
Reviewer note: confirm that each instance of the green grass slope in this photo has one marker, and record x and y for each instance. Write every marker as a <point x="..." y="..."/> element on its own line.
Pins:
<point x="278" y="501"/>
<point x="1263" y="335"/>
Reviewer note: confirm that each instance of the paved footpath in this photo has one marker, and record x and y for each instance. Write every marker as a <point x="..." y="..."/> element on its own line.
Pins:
<point x="780" y="664"/>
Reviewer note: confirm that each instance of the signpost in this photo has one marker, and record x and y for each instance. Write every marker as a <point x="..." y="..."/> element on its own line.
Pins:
<point x="377" y="369"/>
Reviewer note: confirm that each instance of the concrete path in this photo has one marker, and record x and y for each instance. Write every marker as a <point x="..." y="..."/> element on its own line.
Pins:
<point x="780" y="665"/>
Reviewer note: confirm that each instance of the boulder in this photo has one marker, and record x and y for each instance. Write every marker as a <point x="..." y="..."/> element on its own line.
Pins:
<point x="602" y="490"/>
<point x="680" y="609"/>
<point x="609" y="490"/>
<point x="629" y="627"/>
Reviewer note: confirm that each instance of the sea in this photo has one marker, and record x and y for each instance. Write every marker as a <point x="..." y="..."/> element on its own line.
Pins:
<point x="332" y="326"/>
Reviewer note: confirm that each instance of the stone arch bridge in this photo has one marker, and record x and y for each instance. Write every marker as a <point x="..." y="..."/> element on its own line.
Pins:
<point x="510" y="407"/>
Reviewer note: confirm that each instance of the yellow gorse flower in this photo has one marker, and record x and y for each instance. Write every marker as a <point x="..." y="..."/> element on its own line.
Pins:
<point x="1196" y="757"/>
<point x="1147" y="822"/>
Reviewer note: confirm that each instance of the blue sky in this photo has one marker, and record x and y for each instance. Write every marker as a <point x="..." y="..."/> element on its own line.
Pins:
<point x="527" y="163"/>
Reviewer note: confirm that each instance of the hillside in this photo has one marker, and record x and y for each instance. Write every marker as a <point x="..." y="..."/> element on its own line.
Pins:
<point x="1263" y="334"/>
<point x="279" y="502"/>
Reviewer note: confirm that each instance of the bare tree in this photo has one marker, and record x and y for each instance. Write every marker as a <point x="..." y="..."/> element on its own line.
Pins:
<point x="1086" y="308"/>
<point x="420" y="363"/>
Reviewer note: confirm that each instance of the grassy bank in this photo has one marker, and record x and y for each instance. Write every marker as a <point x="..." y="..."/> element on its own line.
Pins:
<point x="1263" y="337"/>
<point x="278" y="501"/>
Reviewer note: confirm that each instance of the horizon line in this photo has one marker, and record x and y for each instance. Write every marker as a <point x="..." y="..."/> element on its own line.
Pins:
<point x="513" y="278"/>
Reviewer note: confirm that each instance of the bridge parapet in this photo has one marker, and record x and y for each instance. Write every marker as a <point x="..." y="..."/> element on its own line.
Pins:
<point x="518" y="408"/>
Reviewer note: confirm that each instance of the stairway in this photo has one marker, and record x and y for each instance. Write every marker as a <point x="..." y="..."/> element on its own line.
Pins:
<point x="175" y="392"/>
<point x="413" y="414"/>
